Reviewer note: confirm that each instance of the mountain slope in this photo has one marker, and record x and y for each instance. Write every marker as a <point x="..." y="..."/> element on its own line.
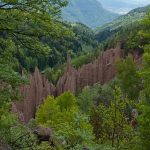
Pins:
<point x="105" y="31"/>
<point x="89" y="12"/>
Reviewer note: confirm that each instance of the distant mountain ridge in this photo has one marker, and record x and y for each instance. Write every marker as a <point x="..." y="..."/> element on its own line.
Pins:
<point x="89" y="12"/>
<point x="123" y="6"/>
<point x="135" y="15"/>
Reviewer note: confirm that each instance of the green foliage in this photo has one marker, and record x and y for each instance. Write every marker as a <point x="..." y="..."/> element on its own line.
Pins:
<point x="144" y="123"/>
<point x="129" y="20"/>
<point x="106" y="94"/>
<point x="145" y="72"/>
<point x="117" y="119"/>
<point x="129" y="77"/>
<point x="85" y="37"/>
<point x="124" y="29"/>
<point x="99" y="116"/>
<point x="133" y="40"/>
<point x="47" y="110"/>
<point x="53" y="74"/>
<point x="15" y="134"/>
<point x="84" y="34"/>
<point x="43" y="146"/>
<point x="91" y="96"/>
<point x="23" y="29"/>
<point x="70" y="126"/>
<point x="10" y="81"/>
<point x="66" y="101"/>
<point x="144" y="105"/>
<point x="109" y="122"/>
<point x="88" y="97"/>
<point x="83" y="59"/>
<point x="33" y="33"/>
<point x="86" y="50"/>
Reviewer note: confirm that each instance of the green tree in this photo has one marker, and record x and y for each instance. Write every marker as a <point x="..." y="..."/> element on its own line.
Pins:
<point x="53" y="74"/>
<point x="69" y="125"/>
<point x="129" y="77"/>
<point x="144" y="105"/>
<point x="110" y="124"/>
<point x="88" y="97"/>
<point x="117" y="119"/>
<point x="23" y="25"/>
<point x="43" y="146"/>
<point x="66" y="101"/>
<point x="144" y="123"/>
<point x="99" y="118"/>
<point x="92" y="96"/>
<point x="47" y="111"/>
<point x="145" y="72"/>
<point x="15" y="134"/>
<point x="29" y="25"/>
<point x="10" y="81"/>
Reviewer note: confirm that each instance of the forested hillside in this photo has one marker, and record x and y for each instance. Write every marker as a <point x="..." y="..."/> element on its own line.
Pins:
<point x="98" y="100"/>
<point x="122" y="22"/>
<point x="89" y="12"/>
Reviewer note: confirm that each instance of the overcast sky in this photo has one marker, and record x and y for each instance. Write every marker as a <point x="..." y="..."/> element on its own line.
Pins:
<point x="143" y="2"/>
<point x="123" y="6"/>
<point x="137" y="1"/>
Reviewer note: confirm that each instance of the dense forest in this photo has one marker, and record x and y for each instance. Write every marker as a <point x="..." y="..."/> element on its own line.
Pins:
<point x="113" y="116"/>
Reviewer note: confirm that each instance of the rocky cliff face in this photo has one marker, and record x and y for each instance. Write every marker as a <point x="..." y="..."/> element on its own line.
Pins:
<point x="32" y="96"/>
<point x="100" y="71"/>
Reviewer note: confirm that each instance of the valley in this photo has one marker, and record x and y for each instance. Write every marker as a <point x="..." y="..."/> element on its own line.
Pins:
<point x="74" y="75"/>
